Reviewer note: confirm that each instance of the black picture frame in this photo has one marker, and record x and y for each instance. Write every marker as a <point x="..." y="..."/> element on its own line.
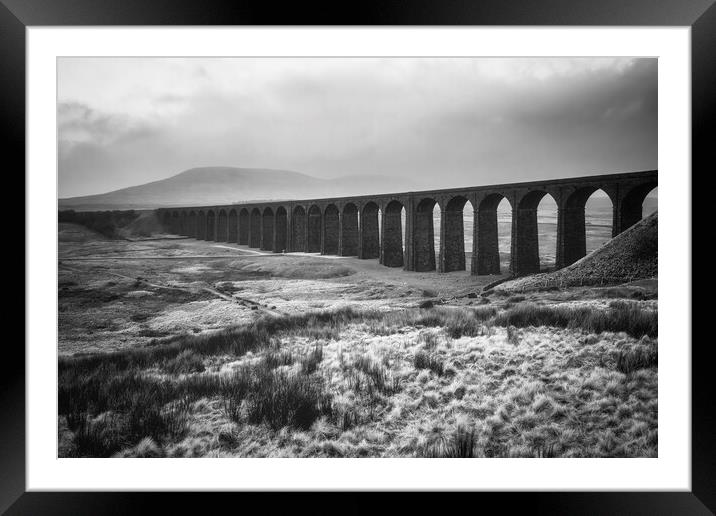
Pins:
<point x="700" y="15"/>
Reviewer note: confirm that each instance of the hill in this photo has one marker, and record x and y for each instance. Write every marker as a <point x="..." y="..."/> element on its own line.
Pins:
<point x="226" y="185"/>
<point x="72" y="232"/>
<point x="630" y="256"/>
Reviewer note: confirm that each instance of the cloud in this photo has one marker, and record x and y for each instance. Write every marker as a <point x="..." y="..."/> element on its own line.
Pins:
<point x="78" y="124"/>
<point x="439" y="122"/>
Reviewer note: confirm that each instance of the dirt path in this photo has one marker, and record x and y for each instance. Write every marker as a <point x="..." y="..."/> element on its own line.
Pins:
<point x="245" y="300"/>
<point x="221" y="295"/>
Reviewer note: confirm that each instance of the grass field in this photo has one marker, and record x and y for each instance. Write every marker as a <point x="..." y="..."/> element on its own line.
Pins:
<point x="526" y="381"/>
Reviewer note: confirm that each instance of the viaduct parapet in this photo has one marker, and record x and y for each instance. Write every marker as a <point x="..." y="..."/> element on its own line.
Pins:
<point x="349" y="226"/>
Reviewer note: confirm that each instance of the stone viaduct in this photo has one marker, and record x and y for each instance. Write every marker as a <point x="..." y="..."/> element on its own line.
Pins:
<point x="348" y="226"/>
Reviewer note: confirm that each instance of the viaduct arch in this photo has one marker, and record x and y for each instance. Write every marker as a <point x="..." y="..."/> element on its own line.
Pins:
<point x="222" y="226"/>
<point x="313" y="229"/>
<point x="400" y="229"/>
<point x="267" y="223"/>
<point x="233" y="229"/>
<point x="369" y="237"/>
<point x="298" y="230"/>
<point x="331" y="224"/>
<point x="210" y="225"/>
<point x="349" y="245"/>
<point x="281" y="230"/>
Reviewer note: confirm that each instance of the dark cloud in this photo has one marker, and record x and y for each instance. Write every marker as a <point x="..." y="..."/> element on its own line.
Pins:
<point x="99" y="149"/>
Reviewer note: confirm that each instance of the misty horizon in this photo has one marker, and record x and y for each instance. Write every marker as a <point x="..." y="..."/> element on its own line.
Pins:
<point x="598" y="193"/>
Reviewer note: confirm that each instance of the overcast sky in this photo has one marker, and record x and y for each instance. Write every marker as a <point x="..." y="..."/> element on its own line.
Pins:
<point x="439" y="122"/>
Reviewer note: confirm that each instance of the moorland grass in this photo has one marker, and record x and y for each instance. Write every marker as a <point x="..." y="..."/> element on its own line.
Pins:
<point x="188" y="361"/>
<point x="110" y="402"/>
<point x="626" y="317"/>
<point x="380" y="380"/>
<point x="424" y="360"/>
<point x="277" y="358"/>
<point x="642" y="356"/>
<point x="310" y="362"/>
<point x="280" y="399"/>
<point x="130" y="407"/>
<point x="460" y="445"/>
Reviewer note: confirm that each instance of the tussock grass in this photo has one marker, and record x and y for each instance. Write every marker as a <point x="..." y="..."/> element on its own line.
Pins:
<point x="132" y="406"/>
<point x="556" y="394"/>
<point x="460" y="445"/>
<point x="235" y="341"/>
<point x="97" y="438"/>
<point x="119" y="408"/>
<point x="262" y="395"/>
<point x="641" y="356"/>
<point x="317" y="333"/>
<point x="457" y="322"/>
<point x="430" y="340"/>
<point x="621" y="305"/>
<point x="546" y="451"/>
<point x="468" y="323"/>
<point x="281" y="399"/>
<point x="347" y="418"/>
<point x="114" y="382"/>
<point x="108" y="411"/>
<point x="185" y="362"/>
<point x="274" y="358"/>
<point x="423" y="360"/>
<point x="625" y="292"/>
<point x="380" y="380"/>
<point x="628" y="318"/>
<point x="513" y="336"/>
<point x="233" y="390"/>
<point x="310" y="362"/>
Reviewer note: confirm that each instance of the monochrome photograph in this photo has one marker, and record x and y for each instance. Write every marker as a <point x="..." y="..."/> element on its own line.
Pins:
<point x="346" y="257"/>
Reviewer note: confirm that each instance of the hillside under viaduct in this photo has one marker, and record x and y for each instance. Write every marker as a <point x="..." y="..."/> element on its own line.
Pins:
<point x="349" y="226"/>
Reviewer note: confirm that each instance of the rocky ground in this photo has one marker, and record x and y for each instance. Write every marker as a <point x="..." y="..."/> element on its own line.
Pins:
<point x="631" y="257"/>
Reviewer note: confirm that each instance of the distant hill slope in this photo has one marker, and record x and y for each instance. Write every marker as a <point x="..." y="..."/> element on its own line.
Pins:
<point x="631" y="255"/>
<point x="225" y="185"/>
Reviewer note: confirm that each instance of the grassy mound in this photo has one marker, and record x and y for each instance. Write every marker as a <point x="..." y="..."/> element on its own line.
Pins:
<point x="110" y="224"/>
<point x="628" y="257"/>
<point x="146" y="224"/>
<point x="106" y="223"/>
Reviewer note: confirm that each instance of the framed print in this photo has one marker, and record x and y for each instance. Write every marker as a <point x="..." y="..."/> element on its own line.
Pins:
<point x="330" y="257"/>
